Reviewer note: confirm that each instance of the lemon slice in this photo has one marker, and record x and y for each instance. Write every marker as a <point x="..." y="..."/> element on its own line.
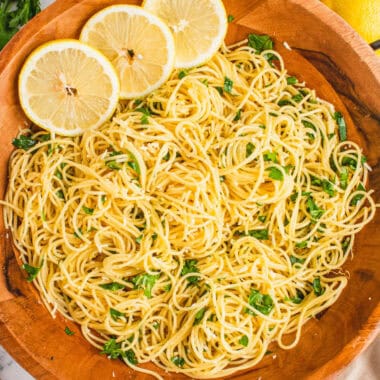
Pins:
<point x="199" y="27"/>
<point x="138" y="43"/>
<point x="68" y="87"/>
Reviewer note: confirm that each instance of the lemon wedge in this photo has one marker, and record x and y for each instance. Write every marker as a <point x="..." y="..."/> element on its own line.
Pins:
<point x="138" y="43"/>
<point x="199" y="27"/>
<point x="362" y="15"/>
<point x="67" y="87"/>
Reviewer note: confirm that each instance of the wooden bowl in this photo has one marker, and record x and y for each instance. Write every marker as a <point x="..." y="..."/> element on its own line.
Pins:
<point x="331" y="58"/>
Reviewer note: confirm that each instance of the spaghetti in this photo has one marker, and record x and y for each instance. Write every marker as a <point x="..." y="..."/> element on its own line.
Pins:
<point x="202" y="223"/>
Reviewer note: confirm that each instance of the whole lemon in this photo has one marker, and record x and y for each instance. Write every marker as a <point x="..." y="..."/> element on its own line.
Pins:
<point x="362" y="15"/>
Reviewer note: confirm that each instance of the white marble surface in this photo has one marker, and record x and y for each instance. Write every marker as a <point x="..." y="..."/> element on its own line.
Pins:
<point x="366" y="366"/>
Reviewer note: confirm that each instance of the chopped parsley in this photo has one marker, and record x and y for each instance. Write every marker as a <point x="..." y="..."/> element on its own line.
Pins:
<point x="260" y="42"/>
<point x="358" y="197"/>
<point x="341" y="126"/>
<point x="112" y="349"/>
<point x="291" y="80"/>
<point x="190" y="266"/>
<point x="298" y="298"/>
<point x="131" y="356"/>
<point x="344" y="178"/>
<point x="199" y="316"/>
<point x="60" y="194"/>
<point x="249" y="149"/>
<point x="113" y="286"/>
<point x="31" y="271"/>
<point x="328" y="187"/>
<point x="275" y="173"/>
<point x="261" y="302"/>
<point x="220" y="90"/>
<point x="259" y="234"/>
<point x="87" y="210"/>
<point x="145" y="114"/>
<point x="295" y="259"/>
<point x="68" y="331"/>
<point x="230" y="18"/>
<point x="270" y="156"/>
<point x="78" y="234"/>
<point x="238" y="115"/>
<point x="24" y="142"/>
<point x="182" y="74"/>
<point x="113" y="165"/>
<point x="228" y="84"/>
<point x="297" y="98"/>
<point x="313" y="209"/>
<point x="115" y="314"/>
<point x="318" y="290"/>
<point x="262" y="218"/>
<point x="302" y="244"/>
<point x="244" y="341"/>
<point x="146" y="282"/>
<point x="178" y="361"/>
<point x="156" y="325"/>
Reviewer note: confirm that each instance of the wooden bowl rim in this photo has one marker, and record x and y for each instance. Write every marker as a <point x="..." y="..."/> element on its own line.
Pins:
<point x="371" y="327"/>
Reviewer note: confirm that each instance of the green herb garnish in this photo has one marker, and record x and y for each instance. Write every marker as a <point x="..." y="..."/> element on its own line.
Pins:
<point x="295" y="259"/>
<point x="298" y="298"/>
<point x="146" y="113"/>
<point x="260" y="42"/>
<point x="313" y="209"/>
<point x="182" y="74"/>
<point x="358" y="197"/>
<point x="131" y="356"/>
<point x="220" y="90"/>
<point x="190" y="266"/>
<point x="259" y="234"/>
<point x="60" y="194"/>
<point x="113" y="349"/>
<point x="344" y="178"/>
<point x="275" y="173"/>
<point x="249" y="149"/>
<point x="32" y="271"/>
<point x="13" y="15"/>
<point x="113" y="165"/>
<point x="22" y="142"/>
<point x="291" y="80"/>
<point x="341" y="126"/>
<point x="115" y="314"/>
<point x="87" y="210"/>
<point x="68" y="331"/>
<point x="238" y="115"/>
<point x="228" y="84"/>
<point x="318" y="290"/>
<point x="178" y="361"/>
<point x="230" y="18"/>
<point x="146" y="282"/>
<point x="113" y="286"/>
<point x="199" y="316"/>
<point x="244" y="341"/>
<point x="270" y="156"/>
<point x="297" y="98"/>
<point x="261" y="302"/>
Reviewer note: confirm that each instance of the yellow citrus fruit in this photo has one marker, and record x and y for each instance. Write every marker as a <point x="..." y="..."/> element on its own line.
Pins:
<point x="362" y="15"/>
<point x="138" y="43"/>
<point x="199" y="27"/>
<point x="67" y="87"/>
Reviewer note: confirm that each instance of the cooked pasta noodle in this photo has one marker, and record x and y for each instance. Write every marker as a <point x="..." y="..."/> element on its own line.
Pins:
<point x="202" y="223"/>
